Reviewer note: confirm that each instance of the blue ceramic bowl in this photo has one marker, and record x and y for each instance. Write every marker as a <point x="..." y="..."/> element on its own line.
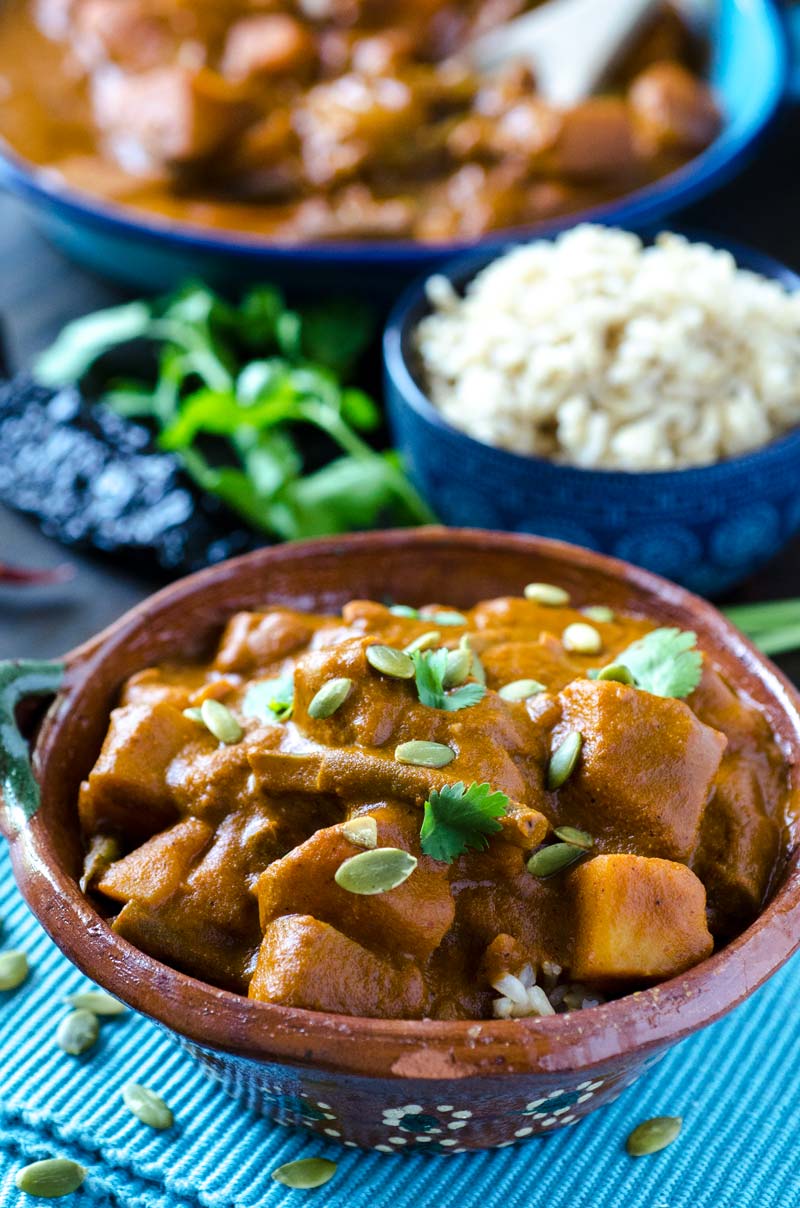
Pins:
<point x="706" y="528"/>
<point x="749" y="72"/>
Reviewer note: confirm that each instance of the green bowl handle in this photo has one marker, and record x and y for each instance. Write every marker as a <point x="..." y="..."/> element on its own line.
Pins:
<point x="19" y="792"/>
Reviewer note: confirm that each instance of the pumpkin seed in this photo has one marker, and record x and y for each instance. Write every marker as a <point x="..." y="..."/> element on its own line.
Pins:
<point x="477" y="671"/>
<point x="405" y="610"/>
<point x="575" y="837"/>
<point x="14" y="969"/>
<point x="521" y="689"/>
<point x="103" y="851"/>
<point x="651" y="1136"/>
<point x="147" y="1106"/>
<point x="547" y="861"/>
<point x="78" y="1032"/>
<point x="220" y="721"/>
<point x="50" y="1178"/>
<point x="194" y="714"/>
<point x="330" y="697"/>
<point x="459" y="664"/>
<point x="305" y="1173"/>
<point x="563" y="760"/>
<point x="425" y="641"/>
<point x="424" y="754"/>
<point x="448" y="618"/>
<point x="391" y="662"/>
<point x="547" y="593"/>
<point x="363" y="831"/>
<point x="375" y="871"/>
<point x="581" y="638"/>
<point x="96" y="1001"/>
<point x="617" y="672"/>
<point x="599" y="612"/>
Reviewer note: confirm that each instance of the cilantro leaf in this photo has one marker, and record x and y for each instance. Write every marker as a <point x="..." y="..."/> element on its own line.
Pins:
<point x="665" y="662"/>
<point x="458" y="818"/>
<point x="270" y="700"/>
<point x="464" y="697"/>
<point x="430" y="668"/>
<point x="84" y="340"/>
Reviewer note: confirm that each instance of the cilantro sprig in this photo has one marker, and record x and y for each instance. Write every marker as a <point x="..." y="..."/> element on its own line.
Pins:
<point x="665" y="662"/>
<point x="458" y="818"/>
<point x="430" y="669"/>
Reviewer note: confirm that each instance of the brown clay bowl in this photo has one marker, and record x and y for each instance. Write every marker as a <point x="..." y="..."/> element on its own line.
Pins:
<point x="441" y="1087"/>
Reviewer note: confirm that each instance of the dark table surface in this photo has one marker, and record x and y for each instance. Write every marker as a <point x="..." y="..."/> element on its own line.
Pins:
<point x="40" y="290"/>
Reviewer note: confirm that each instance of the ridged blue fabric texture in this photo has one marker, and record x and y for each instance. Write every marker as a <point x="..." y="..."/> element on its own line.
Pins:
<point x="737" y="1085"/>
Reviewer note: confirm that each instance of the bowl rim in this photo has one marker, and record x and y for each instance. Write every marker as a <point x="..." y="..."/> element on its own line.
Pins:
<point x="219" y="1020"/>
<point x="714" y="165"/>
<point x="412" y="306"/>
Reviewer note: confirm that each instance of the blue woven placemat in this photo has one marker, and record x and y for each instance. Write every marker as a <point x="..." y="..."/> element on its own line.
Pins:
<point x="737" y="1085"/>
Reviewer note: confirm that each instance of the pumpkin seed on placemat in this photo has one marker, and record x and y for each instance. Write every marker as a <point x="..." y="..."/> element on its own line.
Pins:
<point x="305" y="1173"/>
<point x="78" y="1032"/>
<point x="96" y="1001"/>
<point x="14" y="969"/>
<point x="651" y="1136"/>
<point x="147" y="1106"/>
<point x="50" y="1178"/>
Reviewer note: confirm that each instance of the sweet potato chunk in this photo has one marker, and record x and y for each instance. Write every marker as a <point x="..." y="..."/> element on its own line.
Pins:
<point x="305" y="963"/>
<point x="256" y="639"/>
<point x="636" y="919"/>
<point x="181" y="933"/>
<point x="410" y="919"/>
<point x="646" y="769"/>
<point x="126" y="792"/>
<point x="739" y="845"/>
<point x="156" y="870"/>
<point x="209" y="778"/>
<point x="544" y="660"/>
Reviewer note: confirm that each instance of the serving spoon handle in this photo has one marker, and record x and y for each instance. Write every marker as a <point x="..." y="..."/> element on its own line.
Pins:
<point x="570" y="44"/>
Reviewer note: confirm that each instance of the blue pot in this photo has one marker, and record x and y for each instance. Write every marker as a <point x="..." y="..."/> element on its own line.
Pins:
<point x="749" y="72"/>
<point x="706" y="528"/>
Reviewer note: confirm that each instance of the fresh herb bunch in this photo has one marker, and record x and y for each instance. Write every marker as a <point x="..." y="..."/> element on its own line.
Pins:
<point x="230" y="387"/>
